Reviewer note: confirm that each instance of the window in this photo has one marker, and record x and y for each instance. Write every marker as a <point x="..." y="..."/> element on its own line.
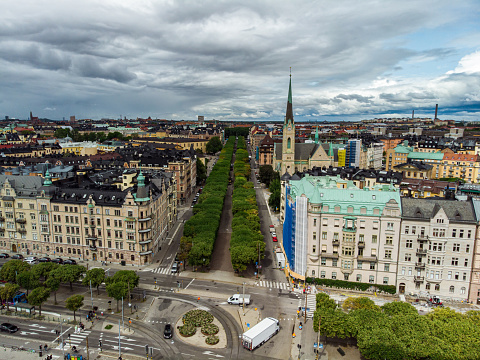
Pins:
<point x="314" y="236"/>
<point x="467" y="248"/>
<point x="334" y="275"/>
<point x="389" y="226"/>
<point x="388" y="254"/>
<point x="462" y="290"/>
<point x="407" y="229"/>
<point x="374" y="239"/>
<point x="324" y="235"/>
<point x="322" y="274"/>
<point x="385" y="281"/>
<point x="466" y="263"/>
<point x="362" y="224"/>
<point x="359" y="264"/>
<point x="403" y="270"/>
<point x="408" y="257"/>
<point x="324" y="261"/>
<point x="456" y="247"/>
<point x="389" y="240"/>
<point x="457" y="276"/>
<point x="314" y="249"/>
<point x="371" y="279"/>
<point x="386" y="267"/>
<point x="347" y="250"/>
<point x="455" y="261"/>
<point x="409" y="243"/>
<point x="334" y="262"/>
<point x="372" y="266"/>
<point x="454" y="232"/>
<point x="314" y="222"/>
<point x="451" y="289"/>
<point x="469" y="234"/>
<point x="361" y="238"/>
<point x="335" y="236"/>
<point x="336" y="223"/>
<point x="437" y="287"/>
<point x="359" y="278"/>
<point x="117" y="212"/>
<point x="414" y="230"/>
<point x="461" y="233"/>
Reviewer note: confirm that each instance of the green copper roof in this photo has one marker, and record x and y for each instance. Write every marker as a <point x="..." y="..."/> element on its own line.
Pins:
<point x="425" y="156"/>
<point x="316" y="135"/>
<point x="403" y="149"/>
<point x="48" y="179"/>
<point x="323" y="190"/>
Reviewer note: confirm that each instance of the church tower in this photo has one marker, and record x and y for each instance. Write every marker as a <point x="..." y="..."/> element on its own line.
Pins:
<point x="288" y="141"/>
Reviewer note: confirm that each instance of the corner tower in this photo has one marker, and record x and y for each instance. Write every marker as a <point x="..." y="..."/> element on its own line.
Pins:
<point x="288" y="141"/>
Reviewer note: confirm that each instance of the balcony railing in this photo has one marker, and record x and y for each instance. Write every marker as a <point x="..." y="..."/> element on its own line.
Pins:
<point x="141" y="231"/>
<point x="93" y="248"/>
<point x="420" y="265"/>
<point x="336" y="242"/>
<point x="418" y="278"/>
<point x="421" y="251"/>
<point x="422" y="237"/>
<point x="361" y="244"/>
<point x="145" y="219"/>
<point x="21" y="220"/>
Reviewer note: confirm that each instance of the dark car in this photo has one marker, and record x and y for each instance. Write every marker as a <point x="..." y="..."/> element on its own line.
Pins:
<point x="58" y="261"/>
<point x="17" y="256"/>
<point x="69" y="262"/>
<point x="44" y="259"/>
<point x="4" y="256"/>
<point x="8" y="328"/>
<point x="167" y="333"/>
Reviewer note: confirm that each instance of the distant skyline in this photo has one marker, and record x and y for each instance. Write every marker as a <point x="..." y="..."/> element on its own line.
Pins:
<point x="230" y="60"/>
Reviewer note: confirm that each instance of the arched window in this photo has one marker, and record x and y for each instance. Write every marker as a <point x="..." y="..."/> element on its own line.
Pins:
<point x="463" y="290"/>
<point x="289" y="143"/>
<point x="452" y="289"/>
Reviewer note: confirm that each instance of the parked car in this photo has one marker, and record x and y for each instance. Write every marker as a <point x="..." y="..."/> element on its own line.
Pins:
<point x="274" y="239"/>
<point x="174" y="268"/>
<point x="274" y="234"/>
<point x="8" y="328"/>
<point x="69" y="262"/>
<point x="31" y="260"/>
<point x="17" y="256"/>
<point x="44" y="259"/>
<point x="58" y="261"/>
<point x="4" y="256"/>
<point x="167" y="333"/>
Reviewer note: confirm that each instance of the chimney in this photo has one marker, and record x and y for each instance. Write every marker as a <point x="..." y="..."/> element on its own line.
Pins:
<point x="436" y="111"/>
<point x="413" y="114"/>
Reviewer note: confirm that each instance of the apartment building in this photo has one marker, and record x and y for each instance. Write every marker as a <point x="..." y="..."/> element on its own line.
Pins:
<point x="335" y="230"/>
<point x="436" y="248"/>
<point x="84" y="221"/>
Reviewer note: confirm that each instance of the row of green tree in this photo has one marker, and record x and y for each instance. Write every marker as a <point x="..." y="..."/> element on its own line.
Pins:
<point x="396" y="331"/>
<point x="246" y="243"/>
<point x="99" y="136"/>
<point x="200" y="231"/>
<point x="42" y="279"/>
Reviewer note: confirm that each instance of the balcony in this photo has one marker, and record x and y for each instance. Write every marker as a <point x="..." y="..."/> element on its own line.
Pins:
<point x="422" y="237"/>
<point x="350" y="229"/>
<point x="371" y="258"/>
<point x="145" y="252"/>
<point x="21" y="220"/>
<point x="143" y="231"/>
<point x="22" y="231"/>
<point x="419" y="265"/>
<point x="335" y="242"/>
<point x="90" y="237"/>
<point x="421" y="252"/>
<point x="143" y="242"/>
<point x="329" y="255"/>
<point x="93" y="248"/>
<point x="361" y="244"/>
<point x="2" y="219"/>
<point x="145" y="219"/>
<point x="418" y="278"/>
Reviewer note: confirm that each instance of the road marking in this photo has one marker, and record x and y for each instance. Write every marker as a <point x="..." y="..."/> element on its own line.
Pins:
<point x="212" y="354"/>
<point x="186" y="287"/>
<point x="38" y="326"/>
<point x="59" y="336"/>
<point x="28" y="333"/>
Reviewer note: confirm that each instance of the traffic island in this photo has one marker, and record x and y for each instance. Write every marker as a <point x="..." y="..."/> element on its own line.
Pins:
<point x="200" y="328"/>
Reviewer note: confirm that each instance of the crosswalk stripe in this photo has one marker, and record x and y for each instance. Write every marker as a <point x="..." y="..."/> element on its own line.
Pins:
<point x="273" y="284"/>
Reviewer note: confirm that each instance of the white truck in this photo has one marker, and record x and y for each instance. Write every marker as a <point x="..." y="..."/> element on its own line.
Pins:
<point x="237" y="299"/>
<point x="260" y="333"/>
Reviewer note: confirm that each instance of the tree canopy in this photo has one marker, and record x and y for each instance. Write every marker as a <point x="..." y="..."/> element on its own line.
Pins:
<point x="214" y="145"/>
<point x="12" y="268"/>
<point x="94" y="276"/>
<point x="73" y="303"/>
<point x="38" y="296"/>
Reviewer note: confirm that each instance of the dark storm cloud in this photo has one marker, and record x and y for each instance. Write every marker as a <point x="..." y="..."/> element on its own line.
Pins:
<point x="222" y="59"/>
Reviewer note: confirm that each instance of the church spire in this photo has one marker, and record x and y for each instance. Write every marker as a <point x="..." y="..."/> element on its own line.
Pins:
<point x="316" y="135"/>
<point x="289" y="114"/>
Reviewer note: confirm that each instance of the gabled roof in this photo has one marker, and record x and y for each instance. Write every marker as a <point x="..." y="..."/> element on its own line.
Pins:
<point x="425" y="209"/>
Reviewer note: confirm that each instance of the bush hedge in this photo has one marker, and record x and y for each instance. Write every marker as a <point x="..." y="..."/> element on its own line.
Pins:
<point x="342" y="284"/>
<point x="209" y="329"/>
<point x="197" y="318"/>
<point x="187" y="330"/>
<point x="212" y="340"/>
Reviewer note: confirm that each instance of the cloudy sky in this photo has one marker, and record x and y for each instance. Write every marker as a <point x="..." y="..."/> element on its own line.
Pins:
<point x="230" y="59"/>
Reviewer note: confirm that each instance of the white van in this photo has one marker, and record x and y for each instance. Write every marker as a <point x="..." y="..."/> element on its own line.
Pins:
<point x="237" y="299"/>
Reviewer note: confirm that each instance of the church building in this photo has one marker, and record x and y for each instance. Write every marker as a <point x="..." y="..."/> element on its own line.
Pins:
<point x="289" y="156"/>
